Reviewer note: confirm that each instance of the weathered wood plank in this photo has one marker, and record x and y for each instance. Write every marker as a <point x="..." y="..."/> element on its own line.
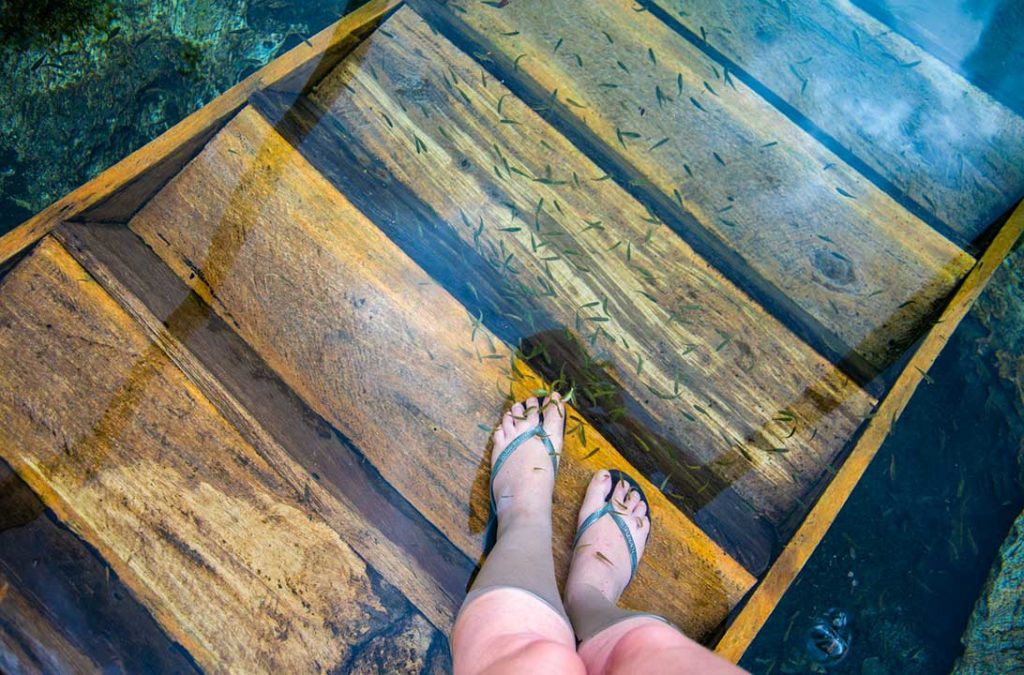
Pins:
<point x="708" y="367"/>
<point x="318" y="462"/>
<point x="731" y="172"/>
<point x="136" y="177"/>
<point x="30" y="642"/>
<point x="61" y="608"/>
<point x="382" y="352"/>
<point x="702" y="491"/>
<point x="798" y="550"/>
<point x="937" y="138"/>
<point x="128" y="452"/>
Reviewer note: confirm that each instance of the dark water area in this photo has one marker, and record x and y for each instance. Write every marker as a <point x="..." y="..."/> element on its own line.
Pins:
<point x="89" y="81"/>
<point x="911" y="550"/>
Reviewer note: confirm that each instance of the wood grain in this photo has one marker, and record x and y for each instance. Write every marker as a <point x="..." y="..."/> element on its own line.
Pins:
<point x="933" y="135"/>
<point x="373" y="345"/>
<point x="318" y="462"/>
<point x="132" y="456"/>
<point x="765" y="597"/>
<point x="782" y="211"/>
<point x="61" y="607"/>
<point x="135" y="178"/>
<point x="593" y="262"/>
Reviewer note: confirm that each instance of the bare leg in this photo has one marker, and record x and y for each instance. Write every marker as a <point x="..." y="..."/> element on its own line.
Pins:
<point x="521" y="557"/>
<point x="612" y="639"/>
<point x="513" y="620"/>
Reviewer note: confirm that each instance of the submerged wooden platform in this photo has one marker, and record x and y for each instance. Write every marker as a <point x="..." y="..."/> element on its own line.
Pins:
<point x="250" y="371"/>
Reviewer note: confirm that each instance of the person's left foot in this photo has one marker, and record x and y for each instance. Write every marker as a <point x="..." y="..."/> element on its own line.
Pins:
<point x="523" y="485"/>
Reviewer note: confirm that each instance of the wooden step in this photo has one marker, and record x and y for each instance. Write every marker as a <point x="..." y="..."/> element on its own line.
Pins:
<point x="703" y="371"/>
<point x="335" y="480"/>
<point x="377" y="348"/>
<point x="923" y="128"/>
<point x="136" y="460"/>
<point x="787" y="217"/>
<point x="61" y="608"/>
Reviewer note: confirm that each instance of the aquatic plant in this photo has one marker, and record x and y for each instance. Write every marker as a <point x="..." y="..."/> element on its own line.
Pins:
<point x="31" y="24"/>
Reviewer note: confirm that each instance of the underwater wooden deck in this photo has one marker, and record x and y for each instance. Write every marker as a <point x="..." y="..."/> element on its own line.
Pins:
<point x="253" y="367"/>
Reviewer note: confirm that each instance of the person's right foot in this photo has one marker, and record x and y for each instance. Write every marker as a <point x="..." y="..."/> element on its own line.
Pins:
<point x="601" y="560"/>
<point x="523" y="485"/>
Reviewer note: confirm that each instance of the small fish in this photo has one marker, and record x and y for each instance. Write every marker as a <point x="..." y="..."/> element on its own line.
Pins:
<point x="697" y="104"/>
<point x="659" y="144"/>
<point x="557" y="45"/>
<point x="728" y="80"/>
<point x="651" y="56"/>
<point x="625" y="134"/>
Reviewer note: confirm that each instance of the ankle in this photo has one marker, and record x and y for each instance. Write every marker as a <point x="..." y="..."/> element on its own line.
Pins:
<point x="534" y="517"/>
<point x="584" y="599"/>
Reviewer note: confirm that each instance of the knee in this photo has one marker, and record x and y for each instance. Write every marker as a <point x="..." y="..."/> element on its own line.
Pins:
<point x="540" y="656"/>
<point x="662" y="648"/>
<point x="643" y="642"/>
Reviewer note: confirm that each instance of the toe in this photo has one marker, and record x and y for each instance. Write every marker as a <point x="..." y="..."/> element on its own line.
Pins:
<point x="595" y="496"/>
<point x="554" y="418"/>
<point x="499" y="437"/>
<point x="632" y="499"/>
<point x="532" y="412"/>
<point x="619" y="495"/>
<point x="508" y="425"/>
<point x="641" y="510"/>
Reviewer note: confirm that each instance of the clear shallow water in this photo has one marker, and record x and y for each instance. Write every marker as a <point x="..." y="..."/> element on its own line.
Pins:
<point x="912" y="548"/>
<point x="933" y="486"/>
<point x="89" y="81"/>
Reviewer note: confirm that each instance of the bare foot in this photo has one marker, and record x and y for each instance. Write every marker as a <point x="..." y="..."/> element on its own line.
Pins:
<point x="601" y="561"/>
<point x="524" y="483"/>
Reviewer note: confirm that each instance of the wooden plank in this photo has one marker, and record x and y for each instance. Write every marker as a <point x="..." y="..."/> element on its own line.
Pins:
<point x="780" y="211"/>
<point x="923" y="128"/>
<point x="30" y="642"/>
<point x="61" y="608"/>
<point x="136" y="460"/>
<point x="711" y="379"/>
<point x="702" y="491"/>
<point x="378" y="349"/>
<point x="136" y="177"/>
<point x="348" y="493"/>
<point x="766" y="596"/>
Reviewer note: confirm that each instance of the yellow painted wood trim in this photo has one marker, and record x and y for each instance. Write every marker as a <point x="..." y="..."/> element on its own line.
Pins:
<point x="766" y="595"/>
<point x="305" y="54"/>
